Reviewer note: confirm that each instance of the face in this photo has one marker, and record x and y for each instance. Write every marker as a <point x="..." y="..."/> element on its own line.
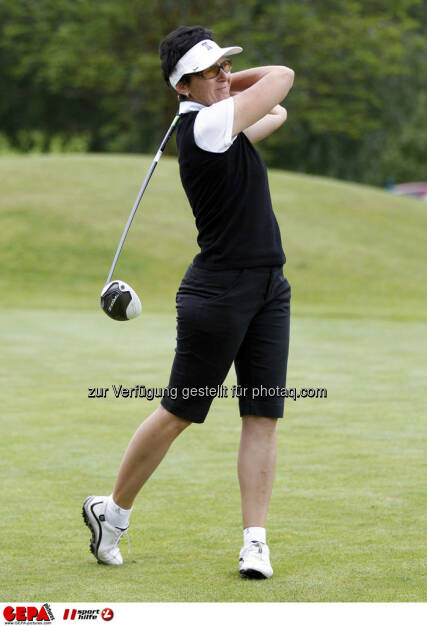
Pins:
<point x="209" y="91"/>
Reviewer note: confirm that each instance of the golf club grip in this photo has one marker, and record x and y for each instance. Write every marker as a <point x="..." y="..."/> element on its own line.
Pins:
<point x="141" y="193"/>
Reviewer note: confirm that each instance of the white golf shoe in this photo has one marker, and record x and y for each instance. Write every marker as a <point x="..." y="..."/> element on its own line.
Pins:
<point x="254" y="561"/>
<point x="105" y="537"/>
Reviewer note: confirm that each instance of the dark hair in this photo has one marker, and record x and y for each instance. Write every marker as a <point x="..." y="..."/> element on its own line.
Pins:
<point x="176" y="44"/>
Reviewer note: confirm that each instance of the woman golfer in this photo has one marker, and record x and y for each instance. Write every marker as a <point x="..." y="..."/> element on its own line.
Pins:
<point x="233" y="302"/>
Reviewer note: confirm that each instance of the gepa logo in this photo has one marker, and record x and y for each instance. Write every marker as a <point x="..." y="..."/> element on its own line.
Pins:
<point x="27" y="614"/>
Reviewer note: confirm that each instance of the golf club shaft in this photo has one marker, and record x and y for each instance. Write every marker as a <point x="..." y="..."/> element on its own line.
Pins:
<point x="141" y="193"/>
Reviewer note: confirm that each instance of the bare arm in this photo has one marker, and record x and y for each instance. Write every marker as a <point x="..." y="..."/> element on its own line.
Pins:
<point x="261" y="89"/>
<point x="267" y="124"/>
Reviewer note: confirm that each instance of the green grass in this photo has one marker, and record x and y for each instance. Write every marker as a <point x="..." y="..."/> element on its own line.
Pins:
<point x="347" y="518"/>
<point x="352" y="250"/>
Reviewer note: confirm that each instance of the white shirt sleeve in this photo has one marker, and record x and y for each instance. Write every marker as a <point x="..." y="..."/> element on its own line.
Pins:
<point x="214" y="125"/>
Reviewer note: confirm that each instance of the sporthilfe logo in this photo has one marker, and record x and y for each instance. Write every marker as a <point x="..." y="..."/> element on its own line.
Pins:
<point x="77" y="614"/>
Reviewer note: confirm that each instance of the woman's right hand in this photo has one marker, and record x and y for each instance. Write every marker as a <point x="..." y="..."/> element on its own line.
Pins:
<point x="261" y="89"/>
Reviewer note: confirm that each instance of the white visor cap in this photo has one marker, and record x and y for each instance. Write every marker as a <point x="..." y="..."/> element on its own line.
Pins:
<point x="199" y="58"/>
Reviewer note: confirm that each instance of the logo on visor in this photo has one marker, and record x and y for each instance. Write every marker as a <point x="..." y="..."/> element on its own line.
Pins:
<point x="207" y="45"/>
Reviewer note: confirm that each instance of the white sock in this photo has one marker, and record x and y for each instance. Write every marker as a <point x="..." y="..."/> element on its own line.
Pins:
<point x="115" y="515"/>
<point x="254" y="533"/>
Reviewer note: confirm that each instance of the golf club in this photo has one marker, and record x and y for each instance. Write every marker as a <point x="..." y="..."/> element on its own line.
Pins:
<point x="118" y="300"/>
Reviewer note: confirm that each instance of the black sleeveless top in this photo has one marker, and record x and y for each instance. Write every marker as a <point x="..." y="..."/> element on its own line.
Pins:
<point x="230" y="198"/>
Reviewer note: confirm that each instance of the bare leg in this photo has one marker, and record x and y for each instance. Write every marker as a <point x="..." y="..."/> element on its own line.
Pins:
<point x="146" y="449"/>
<point x="256" y="467"/>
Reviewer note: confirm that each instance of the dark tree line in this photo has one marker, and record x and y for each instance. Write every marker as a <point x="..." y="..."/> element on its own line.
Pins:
<point x="85" y="75"/>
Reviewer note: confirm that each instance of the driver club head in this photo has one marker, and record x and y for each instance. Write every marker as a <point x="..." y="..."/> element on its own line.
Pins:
<point x="119" y="301"/>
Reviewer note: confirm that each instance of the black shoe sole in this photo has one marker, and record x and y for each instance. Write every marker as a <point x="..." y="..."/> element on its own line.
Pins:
<point x="251" y="573"/>
<point x="89" y="525"/>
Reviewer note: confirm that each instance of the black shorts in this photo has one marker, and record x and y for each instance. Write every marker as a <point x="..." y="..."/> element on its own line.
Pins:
<point x="239" y="315"/>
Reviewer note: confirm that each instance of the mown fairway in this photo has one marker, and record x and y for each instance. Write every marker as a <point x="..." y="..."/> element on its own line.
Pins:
<point x="347" y="519"/>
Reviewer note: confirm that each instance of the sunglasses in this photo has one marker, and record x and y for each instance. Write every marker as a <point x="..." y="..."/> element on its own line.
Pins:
<point x="214" y="70"/>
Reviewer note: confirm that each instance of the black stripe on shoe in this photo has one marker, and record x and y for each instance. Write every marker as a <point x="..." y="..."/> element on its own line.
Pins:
<point x="251" y="573"/>
<point x="89" y="525"/>
<point x="99" y="526"/>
